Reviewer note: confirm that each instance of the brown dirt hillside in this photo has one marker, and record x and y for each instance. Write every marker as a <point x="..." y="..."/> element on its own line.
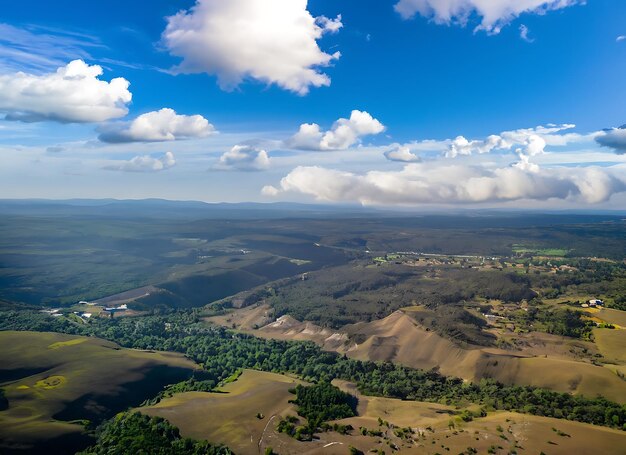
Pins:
<point x="289" y="328"/>
<point x="400" y="338"/>
<point x="247" y="318"/>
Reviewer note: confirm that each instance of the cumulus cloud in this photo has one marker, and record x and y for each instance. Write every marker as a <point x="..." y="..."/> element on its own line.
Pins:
<point x="156" y="126"/>
<point x="244" y="158"/>
<point x="461" y="146"/>
<point x="493" y="14"/>
<point x="525" y="141"/>
<point x="144" y="163"/>
<point x="620" y="38"/>
<point x="614" y="138"/>
<point x="273" y="41"/>
<point x="343" y="134"/>
<point x="270" y="191"/>
<point x="74" y="93"/>
<point x="401" y="153"/>
<point x="426" y="183"/>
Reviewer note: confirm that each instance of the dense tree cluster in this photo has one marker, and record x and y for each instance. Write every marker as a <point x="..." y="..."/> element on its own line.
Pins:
<point x="581" y="276"/>
<point x="558" y="321"/>
<point x="322" y="402"/>
<point x="222" y="352"/>
<point x="136" y="434"/>
<point x="620" y="303"/>
<point x="288" y="425"/>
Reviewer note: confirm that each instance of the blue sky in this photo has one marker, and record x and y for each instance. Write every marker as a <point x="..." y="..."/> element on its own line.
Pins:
<point x="238" y="81"/>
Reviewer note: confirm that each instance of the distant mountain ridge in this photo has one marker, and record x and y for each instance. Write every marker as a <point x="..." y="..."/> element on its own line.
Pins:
<point x="168" y="208"/>
<point x="164" y="208"/>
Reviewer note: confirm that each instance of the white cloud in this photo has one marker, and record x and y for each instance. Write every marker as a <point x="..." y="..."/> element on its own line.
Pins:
<point x="620" y="38"/>
<point x="343" y="134"/>
<point x="244" y="158"/>
<point x="614" y="138"/>
<point x="156" y="126"/>
<point x="523" y="33"/>
<point x="144" y="163"/>
<point x="461" y="146"/>
<point x="73" y="93"/>
<point x="270" y="191"/>
<point x="427" y="183"/>
<point x="330" y="25"/>
<point x="527" y="141"/>
<point x="273" y="41"/>
<point x="401" y="153"/>
<point x="494" y="14"/>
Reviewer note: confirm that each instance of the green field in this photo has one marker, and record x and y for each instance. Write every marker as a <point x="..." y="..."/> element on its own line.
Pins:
<point x="54" y="382"/>
<point x="552" y="252"/>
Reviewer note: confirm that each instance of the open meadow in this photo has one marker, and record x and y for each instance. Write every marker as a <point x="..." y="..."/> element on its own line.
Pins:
<point x="241" y="414"/>
<point x="56" y="383"/>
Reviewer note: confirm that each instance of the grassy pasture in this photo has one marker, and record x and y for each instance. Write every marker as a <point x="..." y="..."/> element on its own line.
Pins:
<point x="612" y="316"/>
<point x="571" y="376"/>
<point x="230" y="416"/>
<point x="612" y="344"/>
<point x="569" y="298"/>
<point x="433" y="432"/>
<point x="399" y="412"/>
<point x="54" y="381"/>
